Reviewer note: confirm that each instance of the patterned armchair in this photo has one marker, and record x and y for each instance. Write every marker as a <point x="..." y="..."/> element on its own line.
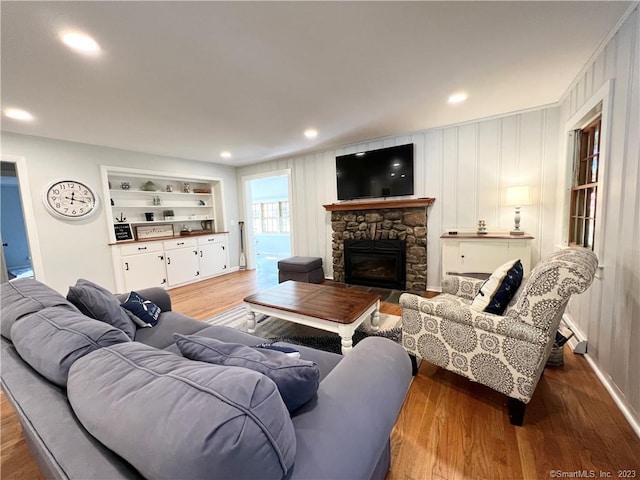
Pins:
<point x="504" y="352"/>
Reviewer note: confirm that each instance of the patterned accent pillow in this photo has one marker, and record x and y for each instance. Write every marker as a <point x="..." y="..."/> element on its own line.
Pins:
<point x="496" y="293"/>
<point x="143" y="312"/>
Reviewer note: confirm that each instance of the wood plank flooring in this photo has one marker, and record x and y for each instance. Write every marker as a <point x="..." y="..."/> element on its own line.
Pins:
<point x="449" y="428"/>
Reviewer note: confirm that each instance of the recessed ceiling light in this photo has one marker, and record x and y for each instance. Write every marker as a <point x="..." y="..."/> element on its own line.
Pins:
<point x="458" y="97"/>
<point x="359" y="154"/>
<point x="225" y="154"/>
<point x="18" y="114"/>
<point x="311" y="133"/>
<point x="80" y="42"/>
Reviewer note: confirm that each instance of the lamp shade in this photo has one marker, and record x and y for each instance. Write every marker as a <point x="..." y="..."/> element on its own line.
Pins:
<point x="518" y="196"/>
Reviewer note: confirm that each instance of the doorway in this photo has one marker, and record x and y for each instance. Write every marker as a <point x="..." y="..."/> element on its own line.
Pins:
<point x="16" y="257"/>
<point x="268" y="223"/>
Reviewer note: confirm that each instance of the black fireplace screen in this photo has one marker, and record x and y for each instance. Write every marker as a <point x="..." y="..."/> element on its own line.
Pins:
<point x="376" y="263"/>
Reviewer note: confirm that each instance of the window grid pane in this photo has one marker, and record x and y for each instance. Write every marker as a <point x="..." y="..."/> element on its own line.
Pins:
<point x="582" y="216"/>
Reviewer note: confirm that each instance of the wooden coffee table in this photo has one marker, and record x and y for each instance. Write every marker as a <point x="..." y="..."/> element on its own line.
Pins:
<point x="332" y="308"/>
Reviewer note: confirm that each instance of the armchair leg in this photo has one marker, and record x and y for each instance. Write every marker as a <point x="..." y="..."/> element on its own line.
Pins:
<point x="414" y="364"/>
<point x="516" y="411"/>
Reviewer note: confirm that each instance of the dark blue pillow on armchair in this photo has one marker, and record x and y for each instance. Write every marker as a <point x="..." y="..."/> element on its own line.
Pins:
<point x="143" y="312"/>
<point x="496" y="293"/>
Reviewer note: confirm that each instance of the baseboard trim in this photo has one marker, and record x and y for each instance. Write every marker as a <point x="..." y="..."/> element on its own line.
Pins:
<point x="605" y="379"/>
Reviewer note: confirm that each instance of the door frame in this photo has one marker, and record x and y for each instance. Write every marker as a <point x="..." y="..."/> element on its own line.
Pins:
<point x="250" y="251"/>
<point x="30" y="223"/>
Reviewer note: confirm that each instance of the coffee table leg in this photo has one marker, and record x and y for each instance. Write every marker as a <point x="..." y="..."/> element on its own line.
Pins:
<point x="346" y="338"/>
<point x="251" y="320"/>
<point x="375" y="318"/>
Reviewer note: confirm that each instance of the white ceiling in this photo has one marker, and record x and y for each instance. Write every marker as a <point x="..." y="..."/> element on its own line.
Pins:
<point x="191" y="79"/>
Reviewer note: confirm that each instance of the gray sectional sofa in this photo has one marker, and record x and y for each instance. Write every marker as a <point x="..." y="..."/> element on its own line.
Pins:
<point x="100" y="402"/>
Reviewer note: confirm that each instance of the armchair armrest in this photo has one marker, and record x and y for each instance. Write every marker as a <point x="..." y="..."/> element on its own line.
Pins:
<point x="157" y="295"/>
<point x="343" y="432"/>
<point x="460" y="286"/>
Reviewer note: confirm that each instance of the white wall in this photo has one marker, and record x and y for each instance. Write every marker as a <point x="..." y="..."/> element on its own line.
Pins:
<point x="609" y="313"/>
<point x="466" y="168"/>
<point x="71" y="250"/>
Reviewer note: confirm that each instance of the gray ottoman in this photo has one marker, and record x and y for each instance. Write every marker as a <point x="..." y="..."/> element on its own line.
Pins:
<point x="301" y="269"/>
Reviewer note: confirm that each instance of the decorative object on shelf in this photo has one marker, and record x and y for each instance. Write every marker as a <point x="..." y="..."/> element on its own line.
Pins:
<point x="148" y="186"/>
<point x="148" y="216"/>
<point x="113" y="203"/>
<point x="125" y="185"/>
<point x="123" y="232"/>
<point x="144" y="232"/>
<point x="482" y="227"/>
<point x="184" y="229"/>
<point x="157" y="200"/>
<point x="201" y="202"/>
<point x="169" y="187"/>
<point x="207" y="225"/>
<point x="168" y="215"/>
<point x="186" y="188"/>
<point x="70" y="200"/>
<point x="201" y="190"/>
<point x="122" y="218"/>
<point x="517" y="197"/>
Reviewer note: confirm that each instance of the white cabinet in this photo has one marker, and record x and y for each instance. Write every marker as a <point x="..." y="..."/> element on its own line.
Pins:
<point x="169" y="263"/>
<point x="142" y="266"/>
<point x="472" y="253"/>
<point x="213" y="255"/>
<point x="182" y="261"/>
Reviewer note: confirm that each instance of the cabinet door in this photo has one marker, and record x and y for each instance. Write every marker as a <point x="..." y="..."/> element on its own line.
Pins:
<point x="213" y="259"/>
<point x="182" y="265"/>
<point x="144" y="270"/>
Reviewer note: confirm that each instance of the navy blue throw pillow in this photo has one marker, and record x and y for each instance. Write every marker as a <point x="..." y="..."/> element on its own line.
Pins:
<point x="143" y="312"/>
<point x="496" y="293"/>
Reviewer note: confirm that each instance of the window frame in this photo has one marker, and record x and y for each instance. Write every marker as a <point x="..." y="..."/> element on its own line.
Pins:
<point x="600" y="103"/>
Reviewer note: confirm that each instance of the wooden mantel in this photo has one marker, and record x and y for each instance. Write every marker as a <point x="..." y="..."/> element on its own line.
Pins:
<point x="379" y="204"/>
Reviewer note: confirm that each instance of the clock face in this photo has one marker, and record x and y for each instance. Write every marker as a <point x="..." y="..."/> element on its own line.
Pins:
<point x="70" y="200"/>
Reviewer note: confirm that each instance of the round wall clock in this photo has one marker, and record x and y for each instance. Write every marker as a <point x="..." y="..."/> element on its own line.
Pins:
<point x="70" y="199"/>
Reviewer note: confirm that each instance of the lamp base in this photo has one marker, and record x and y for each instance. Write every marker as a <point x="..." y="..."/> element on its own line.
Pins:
<point x="516" y="232"/>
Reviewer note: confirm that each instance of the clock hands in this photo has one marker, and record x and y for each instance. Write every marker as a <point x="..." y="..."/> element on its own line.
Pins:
<point x="72" y="198"/>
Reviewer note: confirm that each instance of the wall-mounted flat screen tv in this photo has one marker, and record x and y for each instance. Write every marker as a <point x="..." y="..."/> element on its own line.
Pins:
<point x="387" y="172"/>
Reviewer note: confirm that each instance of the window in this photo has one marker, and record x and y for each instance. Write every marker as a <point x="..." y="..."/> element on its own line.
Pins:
<point x="584" y="189"/>
<point x="271" y="217"/>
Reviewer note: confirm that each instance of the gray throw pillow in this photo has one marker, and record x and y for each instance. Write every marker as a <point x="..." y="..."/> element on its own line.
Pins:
<point x="52" y="339"/>
<point x="23" y="296"/>
<point x="297" y="380"/>
<point x="99" y="303"/>
<point x="182" y="419"/>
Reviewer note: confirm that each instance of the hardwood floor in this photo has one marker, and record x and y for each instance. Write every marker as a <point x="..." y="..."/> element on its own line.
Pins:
<point x="449" y="428"/>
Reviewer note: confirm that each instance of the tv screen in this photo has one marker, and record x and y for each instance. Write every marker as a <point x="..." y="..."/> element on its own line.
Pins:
<point x="387" y="172"/>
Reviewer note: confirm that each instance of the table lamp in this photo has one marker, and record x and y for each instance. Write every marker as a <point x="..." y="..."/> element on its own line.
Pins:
<point x="517" y="197"/>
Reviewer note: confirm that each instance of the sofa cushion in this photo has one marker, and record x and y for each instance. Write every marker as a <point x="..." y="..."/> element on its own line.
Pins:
<point x="23" y="296"/>
<point x="496" y="293"/>
<point x="143" y="312"/>
<point x="52" y="339"/>
<point x="99" y="303"/>
<point x="177" y="418"/>
<point x="161" y="336"/>
<point x="297" y="380"/>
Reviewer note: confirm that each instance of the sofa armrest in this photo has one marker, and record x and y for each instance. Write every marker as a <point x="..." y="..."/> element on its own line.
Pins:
<point x="461" y="286"/>
<point x="344" y="430"/>
<point x="157" y="295"/>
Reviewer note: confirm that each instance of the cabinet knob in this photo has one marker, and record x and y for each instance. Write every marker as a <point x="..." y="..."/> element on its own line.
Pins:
<point x="161" y="257"/>
<point x="180" y="243"/>
<point x="142" y="248"/>
<point x="164" y="280"/>
<point x="126" y="266"/>
<point x="168" y="260"/>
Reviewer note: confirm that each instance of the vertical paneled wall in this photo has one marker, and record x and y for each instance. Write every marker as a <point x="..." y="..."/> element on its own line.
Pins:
<point x="609" y="313"/>
<point x="466" y="168"/>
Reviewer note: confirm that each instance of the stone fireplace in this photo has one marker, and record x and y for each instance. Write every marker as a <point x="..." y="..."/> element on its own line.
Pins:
<point x="404" y="222"/>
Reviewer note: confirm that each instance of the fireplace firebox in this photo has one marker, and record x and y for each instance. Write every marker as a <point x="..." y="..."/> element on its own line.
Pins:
<point x="375" y="263"/>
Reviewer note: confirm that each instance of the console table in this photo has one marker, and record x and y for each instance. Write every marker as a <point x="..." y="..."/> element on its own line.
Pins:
<point x="474" y="253"/>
